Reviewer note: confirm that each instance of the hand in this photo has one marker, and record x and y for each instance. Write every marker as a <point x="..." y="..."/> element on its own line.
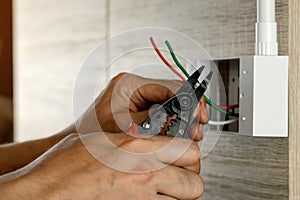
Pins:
<point x="69" y="171"/>
<point x="128" y="98"/>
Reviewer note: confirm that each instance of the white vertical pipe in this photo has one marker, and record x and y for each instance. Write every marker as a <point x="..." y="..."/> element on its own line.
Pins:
<point x="266" y="29"/>
<point x="266" y="11"/>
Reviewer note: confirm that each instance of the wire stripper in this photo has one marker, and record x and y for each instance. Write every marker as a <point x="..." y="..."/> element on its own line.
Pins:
<point x="175" y="115"/>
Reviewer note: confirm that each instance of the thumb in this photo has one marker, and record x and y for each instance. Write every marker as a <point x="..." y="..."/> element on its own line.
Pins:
<point x="154" y="92"/>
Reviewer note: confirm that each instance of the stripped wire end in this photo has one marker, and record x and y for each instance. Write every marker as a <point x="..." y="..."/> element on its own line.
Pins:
<point x="165" y="61"/>
<point x="176" y="60"/>
<point x="222" y="109"/>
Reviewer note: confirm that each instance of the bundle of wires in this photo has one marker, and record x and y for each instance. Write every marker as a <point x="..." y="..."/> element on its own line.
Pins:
<point x="222" y="109"/>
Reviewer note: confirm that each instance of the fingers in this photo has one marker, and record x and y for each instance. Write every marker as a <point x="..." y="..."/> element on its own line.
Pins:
<point x="178" y="183"/>
<point x="129" y="94"/>
<point x="139" y="117"/>
<point x="167" y="150"/>
<point x="180" y="152"/>
<point x="154" y="91"/>
<point x="143" y="91"/>
<point x="195" y="131"/>
<point x="201" y="112"/>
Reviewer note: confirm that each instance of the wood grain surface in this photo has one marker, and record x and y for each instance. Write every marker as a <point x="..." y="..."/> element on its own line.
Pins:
<point x="294" y="100"/>
<point x="49" y="51"/>
<point x="239" y="167"/>
<point x="226" y="28"/>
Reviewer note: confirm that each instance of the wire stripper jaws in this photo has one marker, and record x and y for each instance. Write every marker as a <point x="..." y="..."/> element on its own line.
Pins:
<point x="175" y="115"/>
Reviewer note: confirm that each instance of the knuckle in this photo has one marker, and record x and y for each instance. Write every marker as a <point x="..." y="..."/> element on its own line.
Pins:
<point x="72" y="138"/>
<point x="120" y="75"/>
<point x="116" y="78"/>
<point x="128" y="143"/>
<point x="147" y="177"/>
<point x="133" y="144"/>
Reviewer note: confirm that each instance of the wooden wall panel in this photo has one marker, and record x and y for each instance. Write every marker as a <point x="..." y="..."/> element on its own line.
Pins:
<point x="239" y="167"/>
<point x="50" y="50"/>
<point x="225" y="28"/>
<point x="52" y="38"/>
<point x="294" y="99"/>
<point x="249" y="168"/>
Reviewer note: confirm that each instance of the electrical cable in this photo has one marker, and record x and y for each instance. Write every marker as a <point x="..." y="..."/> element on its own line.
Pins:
<point x="218" y="108"/>
<point x="165" y="61"/>
<point x="229" y="107"/>
<point x="212" y="104"/>
<point x="218" y="123"/>
<point x="175" y="59"/>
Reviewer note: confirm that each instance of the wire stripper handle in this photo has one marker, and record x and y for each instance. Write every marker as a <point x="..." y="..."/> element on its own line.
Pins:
<point x="176" y="114"/>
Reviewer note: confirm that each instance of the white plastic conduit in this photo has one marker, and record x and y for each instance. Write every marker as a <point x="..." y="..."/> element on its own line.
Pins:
<point x="266" y="29"/>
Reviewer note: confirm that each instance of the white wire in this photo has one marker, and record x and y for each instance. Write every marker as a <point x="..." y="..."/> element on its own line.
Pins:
<point x="217" y="123"/>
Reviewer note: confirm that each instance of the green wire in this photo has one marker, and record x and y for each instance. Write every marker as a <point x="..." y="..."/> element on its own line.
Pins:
<point x="175" y="59"/>
<point x="188" y="76"/>
<point x="217" y="107"/>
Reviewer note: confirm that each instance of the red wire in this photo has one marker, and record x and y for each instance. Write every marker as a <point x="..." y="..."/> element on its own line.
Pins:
<point x="229" y="107"/>
<point x="180" y="75"/>
<point x="133" y="128"/>
<point x="165" y="61"/>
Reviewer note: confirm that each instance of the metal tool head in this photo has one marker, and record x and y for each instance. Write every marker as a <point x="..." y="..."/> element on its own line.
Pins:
<point x="175" y="115"/>
<point x="192" y="82"/>
<point x="200" y="90"/>
<point x="192" y="85"/>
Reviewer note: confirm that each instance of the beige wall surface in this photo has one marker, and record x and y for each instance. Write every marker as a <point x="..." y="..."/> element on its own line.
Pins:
<point x="52" y="39"/>
<point x="50" y="50"/>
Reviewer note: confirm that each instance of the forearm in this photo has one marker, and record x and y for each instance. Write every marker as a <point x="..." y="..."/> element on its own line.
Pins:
<point x="16" y="155"/>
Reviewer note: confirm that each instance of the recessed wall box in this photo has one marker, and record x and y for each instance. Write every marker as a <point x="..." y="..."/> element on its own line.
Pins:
<point x="259" y="84"/>
<point x="263" y="95"/>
